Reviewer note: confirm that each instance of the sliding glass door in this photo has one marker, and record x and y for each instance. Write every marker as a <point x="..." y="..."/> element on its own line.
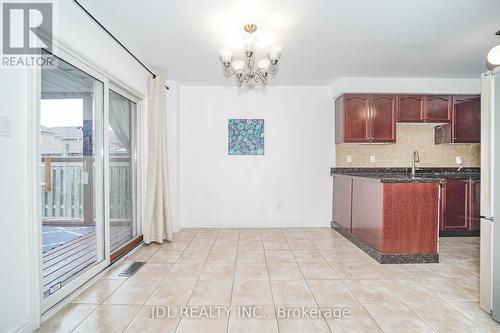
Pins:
<point x="122" y="168"/>
<point x="71" y="178"/>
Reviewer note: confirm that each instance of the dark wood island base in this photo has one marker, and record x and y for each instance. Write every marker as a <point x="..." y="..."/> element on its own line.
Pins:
<point x="393" y="218"/>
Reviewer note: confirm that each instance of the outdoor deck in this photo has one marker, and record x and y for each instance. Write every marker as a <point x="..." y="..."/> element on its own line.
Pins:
<point x="62" y="263"/>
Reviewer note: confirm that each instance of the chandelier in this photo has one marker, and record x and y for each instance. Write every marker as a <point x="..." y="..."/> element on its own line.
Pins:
<point x="245" y="71"/>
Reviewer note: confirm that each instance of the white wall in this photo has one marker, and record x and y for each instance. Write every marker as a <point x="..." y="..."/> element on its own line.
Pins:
<point x="288" y="186"/>
<point x="77" y="33"/>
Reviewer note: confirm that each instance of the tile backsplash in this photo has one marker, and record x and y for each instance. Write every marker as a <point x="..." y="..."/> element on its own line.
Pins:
<point x="409" y="137"/>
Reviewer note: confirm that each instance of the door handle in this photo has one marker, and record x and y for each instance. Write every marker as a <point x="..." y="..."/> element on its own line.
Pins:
<point x="48" y="174"/>
<point x="489" y="218"/>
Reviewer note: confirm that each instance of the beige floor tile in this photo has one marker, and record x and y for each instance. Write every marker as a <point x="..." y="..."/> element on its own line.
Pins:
<point x="211" y="293"/>
<point x="108" y="318"/>
<point x="175" y="245"/>
<point x="251" y="272"/>
<point x="185" y="234"/>
<point x="300" y="244"/>
<point x="469" y="284"/>
<point x="153" y="319"/>
<point x="273" y="244"/>
<point x="289" y="322"/>
<point x="444" y="318"/>
<point x="152" y="271"/>
<point x="144" y="253"/>
<point x="250" y="235"/>
<point x="250" y="257"/>
<point x="133" y="292"/>
<point x="307" y="256"/>
<point x="331" y="292"/>
<point x="172" y="293"/>
<point x="386" y="271"/>
<point x="272" y="235"/>
<point x="165" y="257"/>
<point x="350" y="318"/>
<point x="325" y="244"/>
<point x="204" y="325"/>
<point x="317" y="271"/>
<point x="448" y="289"/>
<point x="279" y="256"/>
<point x="284" y="271"/>
<point x="292" y="293"/>
<point x="338" y="255"/>
<point x="370" y="291"/>
<point x="217" y="272"/>
<point x="409" y="290"/>
<point x="253" y="245"/>
<point x="203" y="245"/>
<point x="473" y="312"/>
<point x="221" y="243"/>
<point x="420" y="271"/>
<point x="447" y="271"/>
<point x="66" y="319"/>
<point x="98" y="292"/>
<point x="263" y="320"/>
<point x="184" y="271"/>
<point x="351" y="271"/>
<point x="222" y="255"/>
<point x="232" y="235"/>
<point x="249" y="292"/>
<point x="469" y="265"/>
<point x="193" y="256"/>
<point x="397" y="318"/>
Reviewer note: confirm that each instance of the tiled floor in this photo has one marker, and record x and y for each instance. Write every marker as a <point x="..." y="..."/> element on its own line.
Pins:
<point x="294" y="279"/>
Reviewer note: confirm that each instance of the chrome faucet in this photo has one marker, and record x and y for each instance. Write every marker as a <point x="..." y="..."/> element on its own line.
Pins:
<point x="416" y="159"/>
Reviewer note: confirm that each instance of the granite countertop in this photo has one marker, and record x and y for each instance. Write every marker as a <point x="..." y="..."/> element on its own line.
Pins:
<point x="403" y="175"/>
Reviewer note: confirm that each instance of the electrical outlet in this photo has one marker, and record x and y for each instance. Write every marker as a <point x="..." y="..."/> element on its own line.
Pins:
<point x="372" y="158"/>
<point x="458" y="160"/>
<point x="349" y="158"/>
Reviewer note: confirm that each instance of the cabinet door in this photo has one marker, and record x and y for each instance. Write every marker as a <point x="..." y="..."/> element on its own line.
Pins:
<point x="438" y="108"/>
<point x="410" y="108"/>
<point x="467" y="119"/>
<point x="474" y="204"/>
<point x="455" y="205"/>
<point x="356" y="118"/>
<point x="342" y="195"/>
<point x="367" y="210"/>
<point x="383" y="118"/>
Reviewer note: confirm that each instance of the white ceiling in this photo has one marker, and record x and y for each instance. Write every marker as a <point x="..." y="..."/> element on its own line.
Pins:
<point x="322" y="39"/>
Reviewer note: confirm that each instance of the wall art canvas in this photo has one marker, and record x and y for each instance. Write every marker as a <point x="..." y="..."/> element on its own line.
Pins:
<point x="245" y="136"/>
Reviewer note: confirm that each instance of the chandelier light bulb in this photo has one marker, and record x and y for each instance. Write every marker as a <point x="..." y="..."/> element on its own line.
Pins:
<point x="275" y="52"/>
<point x="225" y="55"/>
<point x="493" y="57"/>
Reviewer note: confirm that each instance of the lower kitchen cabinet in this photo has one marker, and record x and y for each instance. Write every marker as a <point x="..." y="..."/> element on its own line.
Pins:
<point x="342" y="195"/>
<point x="460" y="207"/>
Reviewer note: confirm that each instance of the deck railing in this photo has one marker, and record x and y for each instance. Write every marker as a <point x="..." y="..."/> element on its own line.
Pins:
<point x="65" y="202"/>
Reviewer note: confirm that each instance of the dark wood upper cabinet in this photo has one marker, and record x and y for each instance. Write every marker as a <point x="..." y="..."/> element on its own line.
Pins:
<point x="383" y="118"/>
<point x="357" y="115"/>
<point x="410" y="108"/>
<point x="465" y="126"/>
<point x="438" y="108"/>
<point x="466" y="119"/>
<point x="365" y="118"/>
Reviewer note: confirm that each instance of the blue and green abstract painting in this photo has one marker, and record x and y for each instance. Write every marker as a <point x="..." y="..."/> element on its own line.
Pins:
<point x="245" y="136"/>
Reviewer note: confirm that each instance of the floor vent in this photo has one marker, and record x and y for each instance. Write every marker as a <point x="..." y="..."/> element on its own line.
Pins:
<point x="132" y="269"/>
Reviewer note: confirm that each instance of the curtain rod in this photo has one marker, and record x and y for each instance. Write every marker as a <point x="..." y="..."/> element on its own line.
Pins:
<point x="116" y="40"/>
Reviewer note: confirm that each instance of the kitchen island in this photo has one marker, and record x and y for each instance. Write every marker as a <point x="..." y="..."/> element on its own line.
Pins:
<point x="389" y="214"/>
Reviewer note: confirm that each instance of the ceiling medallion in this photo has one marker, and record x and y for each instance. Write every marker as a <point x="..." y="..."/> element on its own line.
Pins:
<point x="245" y="71"/>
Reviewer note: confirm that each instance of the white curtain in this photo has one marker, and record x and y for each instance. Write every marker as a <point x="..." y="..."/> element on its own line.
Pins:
<point x="119" y="118"/>
<point x="157" y="225"/>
